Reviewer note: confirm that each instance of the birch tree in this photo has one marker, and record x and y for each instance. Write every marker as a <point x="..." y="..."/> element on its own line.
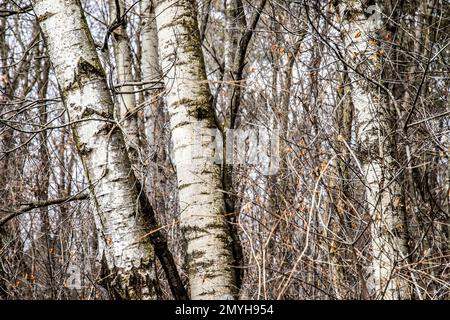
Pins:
<point x="357" y="92"/>
<point x="154" y="115"/>
<point x="204" y="226"/>
<point x="121" y="225"/>
<point x="336" y="209"/>
<point x="374" y="117"/>
<point x="150" y="70"/>
<point x="126" y="99"/>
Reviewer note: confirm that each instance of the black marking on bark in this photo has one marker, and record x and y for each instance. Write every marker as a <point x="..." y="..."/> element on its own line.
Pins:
<point x="88" y="111"/>
<point x="201" y="113"/>
<point x="107" y="127"/>
<point x="85" y="72"/>
<point x="45" y="16"/>
<point x="181" y="124"/>
<point x="134" y="284"/>
<point x="86" y="68"/>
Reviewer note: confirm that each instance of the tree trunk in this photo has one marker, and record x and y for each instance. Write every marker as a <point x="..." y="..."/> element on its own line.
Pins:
<point x="336" y="207"/>
<point x="234" y="25"/>
<point x="203" y="223"/>
<point x="154" y="117"/>
<point x="127" y="113"/>
<point x="6" y="142"/>
<point x="375" y="120"/>
<point x="121" y="225"/>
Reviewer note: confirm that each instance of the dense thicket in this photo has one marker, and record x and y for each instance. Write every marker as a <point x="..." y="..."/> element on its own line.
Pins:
<point x="113" y="183"/>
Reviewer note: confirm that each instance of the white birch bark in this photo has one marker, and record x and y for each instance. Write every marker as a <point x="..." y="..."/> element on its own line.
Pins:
<point x="154" y="117"/>
<point x="128" y="253"/>
<point x="126" y="99"/>
<point x="204" y="226"/>
<point x="150" y="70"/>
<point x="372" y="115"/>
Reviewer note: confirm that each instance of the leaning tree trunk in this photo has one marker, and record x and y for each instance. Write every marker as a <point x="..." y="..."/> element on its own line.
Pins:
<point x="121" y="225"/>
<point x="204" y="226"/>
<point x="375" y="138"/>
